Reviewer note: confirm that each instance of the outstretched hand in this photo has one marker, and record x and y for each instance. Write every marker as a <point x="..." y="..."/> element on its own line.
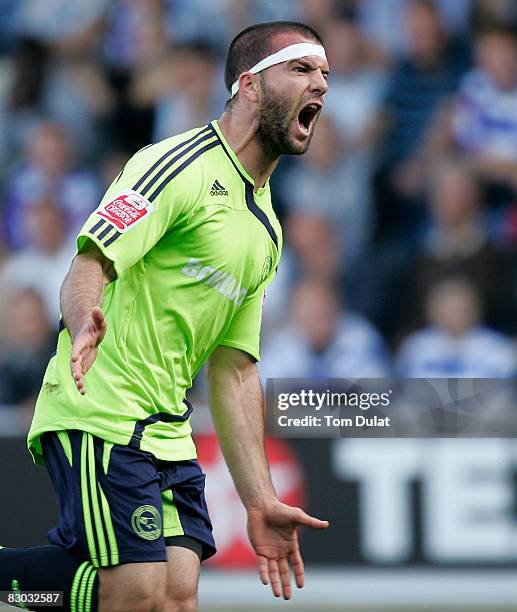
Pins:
<point x="273" y="534"/>
<point x="84" y="347"/>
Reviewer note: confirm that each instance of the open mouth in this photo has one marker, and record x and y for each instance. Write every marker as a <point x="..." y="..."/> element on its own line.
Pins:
<point x="307" y="116"/>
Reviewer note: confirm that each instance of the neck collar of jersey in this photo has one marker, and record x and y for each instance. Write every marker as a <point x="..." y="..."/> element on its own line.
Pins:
<point x="236" y="162"/>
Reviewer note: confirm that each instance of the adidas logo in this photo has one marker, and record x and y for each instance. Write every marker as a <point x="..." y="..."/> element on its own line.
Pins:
<point x="218" y="189"/>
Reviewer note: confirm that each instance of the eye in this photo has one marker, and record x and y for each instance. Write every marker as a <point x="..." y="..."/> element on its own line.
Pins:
<point x="300" y="69"/>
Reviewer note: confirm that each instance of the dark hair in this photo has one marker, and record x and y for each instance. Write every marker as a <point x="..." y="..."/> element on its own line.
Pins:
<point x="497" y="28"/>
<point x="30" y="58"/>
<point x="254" y="44"/>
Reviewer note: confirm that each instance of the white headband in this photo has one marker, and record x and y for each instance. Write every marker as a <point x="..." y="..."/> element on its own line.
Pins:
<point x="284" y="55"/>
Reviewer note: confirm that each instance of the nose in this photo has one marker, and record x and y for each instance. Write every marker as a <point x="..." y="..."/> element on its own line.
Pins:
<point x="319" y="84"/>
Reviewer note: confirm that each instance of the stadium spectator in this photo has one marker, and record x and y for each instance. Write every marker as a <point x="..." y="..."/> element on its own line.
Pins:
<point x="63" y="85"/>
<point x="43" y="265"/>
<point x="456" y="344"/>
<point x="21" y="96"/>
<point x="482" y="124"/>
<point x="193" y="97"/>
<point x="380" y="21"/>
<point x="79" y="97"/>
<point x="332" y="184"/>
<point x="135" y="48"/>
<point x="47" y="170"/>
<point x="315" y="244"/>
<point x="457" y="244"/>
<point x="311" y="249"/>
<point x="484" y="12"/>
<point x="323" y="340"/>
<point x="136" y="35"/>
<point x="356" y="84"/>
<point x="420" y="82"/>
<point x="27" y="343"/>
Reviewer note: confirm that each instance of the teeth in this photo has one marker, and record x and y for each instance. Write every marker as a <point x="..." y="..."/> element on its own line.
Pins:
<point x="312" y="107"/>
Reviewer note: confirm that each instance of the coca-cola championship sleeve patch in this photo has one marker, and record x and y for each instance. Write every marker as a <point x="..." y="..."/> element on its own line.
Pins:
<point x="126" y="225"/>
<point x="156" y="190"/>
<point x="126" y="210"/>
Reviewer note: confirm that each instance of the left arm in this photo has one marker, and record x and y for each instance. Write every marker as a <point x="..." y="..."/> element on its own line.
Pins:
<point x="236" y="403"/>
<point x="237" y="409"/>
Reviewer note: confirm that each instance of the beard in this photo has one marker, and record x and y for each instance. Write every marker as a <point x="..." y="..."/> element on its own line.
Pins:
<point x="273" y="132"/>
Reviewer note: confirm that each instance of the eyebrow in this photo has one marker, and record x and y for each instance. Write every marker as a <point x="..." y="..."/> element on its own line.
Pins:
<point x="308" y="64"/>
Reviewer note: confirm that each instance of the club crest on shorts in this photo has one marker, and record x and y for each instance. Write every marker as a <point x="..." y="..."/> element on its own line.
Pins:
<point x="126" y="210"/>
<point x="147" y="522"/>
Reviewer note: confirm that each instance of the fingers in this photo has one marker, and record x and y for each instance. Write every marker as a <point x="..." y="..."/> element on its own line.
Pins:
<point x="262" y="569"/>
<point x="77" y="374"/>
<point x="83" y="356"/>
<point x="76" y="365"/>
<point x="285" y="577"/>
<point x="302" y="518"/>
<point x="274" y="577"/>
<point x="88" y="359"/>
<point x="298" y="568"/>
<point x="77" y="348"/>
<point x="79" y="367"/>
<point x="278" y="574"/>
<point x="84" y="347"/>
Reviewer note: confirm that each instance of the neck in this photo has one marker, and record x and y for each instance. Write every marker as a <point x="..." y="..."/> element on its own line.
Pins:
<point x="241" y="135"/>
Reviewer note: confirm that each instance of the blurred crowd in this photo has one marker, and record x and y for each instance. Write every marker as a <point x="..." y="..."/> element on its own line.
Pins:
<point x="400" y="222"/>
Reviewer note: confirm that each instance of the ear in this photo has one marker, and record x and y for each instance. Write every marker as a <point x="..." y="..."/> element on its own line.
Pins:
<point x="249" y="86"/>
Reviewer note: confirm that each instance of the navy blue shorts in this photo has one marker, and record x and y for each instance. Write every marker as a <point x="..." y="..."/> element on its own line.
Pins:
<point x="121" y="505"/>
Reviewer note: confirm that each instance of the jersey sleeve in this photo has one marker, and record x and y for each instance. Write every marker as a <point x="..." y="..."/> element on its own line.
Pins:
<point x="130" y="219"/>
<point x="244" y="330"/>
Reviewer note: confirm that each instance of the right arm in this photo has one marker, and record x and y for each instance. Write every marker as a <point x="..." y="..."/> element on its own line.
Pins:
<point x="111" y="242"/>
<point x="82" y="293"/>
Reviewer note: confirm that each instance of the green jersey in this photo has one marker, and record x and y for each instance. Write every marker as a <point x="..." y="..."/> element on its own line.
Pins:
<point x="193" y="249"/>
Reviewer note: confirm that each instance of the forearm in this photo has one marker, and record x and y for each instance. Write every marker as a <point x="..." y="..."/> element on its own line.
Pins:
<point x="237" y="409"/>
<point x="83" y="289"/>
